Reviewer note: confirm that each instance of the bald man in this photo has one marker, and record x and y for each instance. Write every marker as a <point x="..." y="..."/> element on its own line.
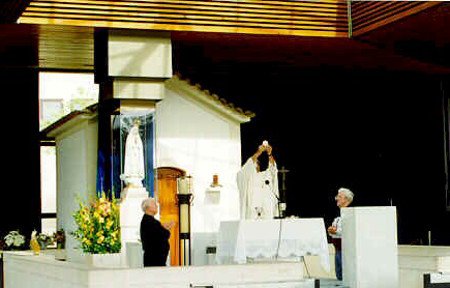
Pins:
<point x="154" y="235"/>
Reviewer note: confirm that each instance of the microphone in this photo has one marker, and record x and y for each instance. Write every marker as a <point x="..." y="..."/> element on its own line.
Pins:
<point x="267" y="182"/>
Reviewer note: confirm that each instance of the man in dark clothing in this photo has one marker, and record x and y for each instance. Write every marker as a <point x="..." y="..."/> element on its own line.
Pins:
<point x="154" y="235"/>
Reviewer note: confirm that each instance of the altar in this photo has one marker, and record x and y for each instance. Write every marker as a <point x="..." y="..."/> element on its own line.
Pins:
<point x="23" y="269"/>
<point x="272" y="240"/>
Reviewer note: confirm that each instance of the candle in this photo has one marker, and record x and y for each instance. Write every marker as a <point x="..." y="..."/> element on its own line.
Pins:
<point x="183" y="185"/>
<point x="184" y="218"/>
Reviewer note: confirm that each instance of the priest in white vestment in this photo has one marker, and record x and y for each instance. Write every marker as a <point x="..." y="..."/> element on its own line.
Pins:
<point x="258" y="190"/>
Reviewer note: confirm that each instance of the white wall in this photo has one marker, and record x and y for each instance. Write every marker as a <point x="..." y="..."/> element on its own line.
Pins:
<point x="76" y="172"/>
<point x="202" y="142"/>
<point x="139" y="56"/>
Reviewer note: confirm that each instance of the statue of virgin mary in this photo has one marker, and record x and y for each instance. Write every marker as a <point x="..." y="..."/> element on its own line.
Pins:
<point x="134" y="169"/>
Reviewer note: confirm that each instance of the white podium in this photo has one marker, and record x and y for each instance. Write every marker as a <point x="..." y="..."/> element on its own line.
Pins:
<point x="272" y="240"/>
<point x="369" y="247"/>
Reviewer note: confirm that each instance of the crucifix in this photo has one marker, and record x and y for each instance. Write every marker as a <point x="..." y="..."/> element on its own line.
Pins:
<point x="282" y="199"/>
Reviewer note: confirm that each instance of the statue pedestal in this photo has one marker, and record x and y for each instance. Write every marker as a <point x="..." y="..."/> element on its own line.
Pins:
<point x="131" y="216"/>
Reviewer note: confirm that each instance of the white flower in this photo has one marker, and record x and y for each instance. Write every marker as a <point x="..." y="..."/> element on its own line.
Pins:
<point x="14" y="238"/>
<point x="9" y="240"/>
<point x="18" y="241"/>
<point x="44" y="238"/>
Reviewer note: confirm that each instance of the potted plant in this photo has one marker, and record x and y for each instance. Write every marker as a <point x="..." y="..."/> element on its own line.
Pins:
<point x="98" y="231"/>
<point x="60" y="238"/>
<point x="14" y="240"/>
<point x="44" y="240"/>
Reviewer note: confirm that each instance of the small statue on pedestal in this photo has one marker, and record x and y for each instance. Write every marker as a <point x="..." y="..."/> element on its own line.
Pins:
<point x="134" y="168"/>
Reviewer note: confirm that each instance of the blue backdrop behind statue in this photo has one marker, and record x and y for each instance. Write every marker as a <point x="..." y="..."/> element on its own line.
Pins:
<point x="111" y="153"/>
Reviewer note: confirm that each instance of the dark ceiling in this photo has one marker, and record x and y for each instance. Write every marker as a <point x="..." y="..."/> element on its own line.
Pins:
<point x="47" y="47"/>
<point x="10" y="10"/>
<point x="424" y="36"/>
<point x="219" y="51"/>
<point x="420" y="42"/>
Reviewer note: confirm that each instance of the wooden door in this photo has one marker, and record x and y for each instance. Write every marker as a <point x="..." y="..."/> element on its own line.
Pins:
<point x="166" y="195"/>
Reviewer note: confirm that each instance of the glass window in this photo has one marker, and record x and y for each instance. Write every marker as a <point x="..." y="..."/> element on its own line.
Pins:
<point x="48" y="179"/>
<point x="48" y="225"/>
<point x="59" y="95"/>
<point x="50" y="109"/>
<point x="62" y="93"/>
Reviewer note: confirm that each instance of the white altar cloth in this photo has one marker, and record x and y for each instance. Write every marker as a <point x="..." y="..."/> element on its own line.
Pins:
<point x="239" y="240"/>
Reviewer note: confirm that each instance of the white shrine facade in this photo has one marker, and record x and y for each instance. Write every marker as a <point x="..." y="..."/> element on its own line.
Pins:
<point x="195" y="131"/>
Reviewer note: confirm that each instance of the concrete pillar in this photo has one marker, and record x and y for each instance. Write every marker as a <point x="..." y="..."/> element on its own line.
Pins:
<point x="131" y="68"/>
<point x="133" y="65"/>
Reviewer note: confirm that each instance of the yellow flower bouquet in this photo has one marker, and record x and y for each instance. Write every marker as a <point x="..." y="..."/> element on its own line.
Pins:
<point x="98" y="226"/>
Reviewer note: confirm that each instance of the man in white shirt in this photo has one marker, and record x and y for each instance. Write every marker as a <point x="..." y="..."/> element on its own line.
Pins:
<point x="343" y="199"/>
<point x="258" y="190"/>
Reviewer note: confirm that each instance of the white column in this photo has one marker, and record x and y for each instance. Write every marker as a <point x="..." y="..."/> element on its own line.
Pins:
<point x="132" y="67"/>
<point x="136" y="65"/>
<point x="369" y="247"/>
<point x="130" y="221"/>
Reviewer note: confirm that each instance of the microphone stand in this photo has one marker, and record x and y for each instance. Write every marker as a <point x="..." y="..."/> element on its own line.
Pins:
<point x="281" y="205"/>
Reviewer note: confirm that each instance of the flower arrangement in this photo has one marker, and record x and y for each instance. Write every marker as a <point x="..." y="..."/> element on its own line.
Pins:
<point x="98" y="226"/>
<point x="44" y="240"/>
<point x="60" y="239"/>
<point x="14" y="240"/>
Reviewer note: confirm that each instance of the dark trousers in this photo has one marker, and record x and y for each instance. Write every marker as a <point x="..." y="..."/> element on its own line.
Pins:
<point x="338" y="264"/>
<point x="154" y="260"/>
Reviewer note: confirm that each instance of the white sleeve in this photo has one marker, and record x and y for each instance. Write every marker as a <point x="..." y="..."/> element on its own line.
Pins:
<point x="274" y="175"/>
<point x="336" y="223"/>
<point x="243" y="182"/>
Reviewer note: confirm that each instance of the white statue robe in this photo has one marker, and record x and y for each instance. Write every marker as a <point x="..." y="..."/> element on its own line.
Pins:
<point x="134" y="168"/>
<point x="258" y="191"/>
